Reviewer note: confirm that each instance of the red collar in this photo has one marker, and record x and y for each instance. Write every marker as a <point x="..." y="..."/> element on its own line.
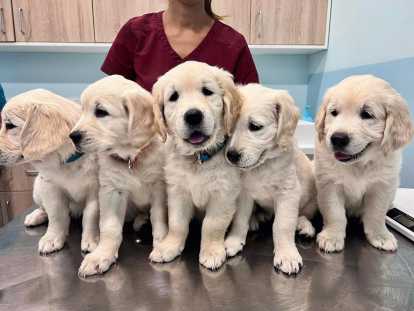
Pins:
<point x="131" y="161"/>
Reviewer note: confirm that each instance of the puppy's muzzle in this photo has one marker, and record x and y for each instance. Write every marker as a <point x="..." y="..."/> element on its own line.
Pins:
<point x="193" y="117"/>
<point x="233" y="156"/>
<point x="76" y="137"/>
<point x="340" y="140"/>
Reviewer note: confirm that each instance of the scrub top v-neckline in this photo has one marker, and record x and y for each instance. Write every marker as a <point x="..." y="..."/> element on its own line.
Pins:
<point x="171" y="49"/>
<point x="142" y="53"/>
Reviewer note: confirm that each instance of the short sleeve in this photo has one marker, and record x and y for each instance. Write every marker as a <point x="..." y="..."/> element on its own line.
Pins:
<point x="120" y="58"/>
<point x="2" y="98"/>
<point x="245" y="71"/>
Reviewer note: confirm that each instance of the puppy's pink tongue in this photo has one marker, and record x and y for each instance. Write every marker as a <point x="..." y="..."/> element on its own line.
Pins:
<point x="196" y="138"/>
<point x="342" y="156"/>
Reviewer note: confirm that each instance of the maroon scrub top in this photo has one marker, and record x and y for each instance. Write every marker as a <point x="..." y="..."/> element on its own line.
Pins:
<point x="141" y="52"/>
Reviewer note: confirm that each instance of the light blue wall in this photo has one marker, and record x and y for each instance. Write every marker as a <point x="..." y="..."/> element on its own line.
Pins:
<point x="369" y="36"/>
<point x="64" y="73"/>
<point x="69" y="73"/>
<point x="288" y="72"/>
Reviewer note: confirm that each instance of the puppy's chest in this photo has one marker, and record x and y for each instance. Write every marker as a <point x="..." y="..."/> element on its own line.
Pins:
<point x="356" y="185"/>
<point x="134" y="180"/>
<point x="265" y="183"/>
<point x="77" y="180"/>
<point x="204" y="181"/>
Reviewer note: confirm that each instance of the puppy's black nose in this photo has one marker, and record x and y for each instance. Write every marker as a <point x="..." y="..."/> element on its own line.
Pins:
<point x="76" y="137"/>
<point x="233" y="156"/>
<point x="193" y="117"/>
<point x="340" y="140"/>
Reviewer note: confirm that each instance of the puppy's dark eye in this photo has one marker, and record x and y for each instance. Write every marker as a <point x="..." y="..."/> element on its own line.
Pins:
<point x="174" y="97"/>
<point x="10" y="126"/>
<point x="100" y="113"/>
<point x="206" y="91"/>
<point x="334" y="113"/>
<point x="253" y="127"/>
<point x="366" y="115"/>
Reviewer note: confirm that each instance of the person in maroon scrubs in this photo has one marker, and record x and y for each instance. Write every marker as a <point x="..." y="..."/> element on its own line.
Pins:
<point x="148" y="46"/>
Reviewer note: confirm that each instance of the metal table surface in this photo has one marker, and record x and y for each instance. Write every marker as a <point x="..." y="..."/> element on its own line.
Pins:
<point x="360" y="278"/>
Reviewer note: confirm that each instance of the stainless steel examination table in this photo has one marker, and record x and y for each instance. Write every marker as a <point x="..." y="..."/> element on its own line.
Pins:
<point x="360" y="278"/>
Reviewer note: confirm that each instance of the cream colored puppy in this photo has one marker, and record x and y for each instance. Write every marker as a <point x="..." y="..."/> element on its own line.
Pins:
<point x="362" y="125"/>
<point x="276" y="174"/>
<point x="35" y="130"/>
<point x="117" y="122"/>
<point x="196" y="104"/>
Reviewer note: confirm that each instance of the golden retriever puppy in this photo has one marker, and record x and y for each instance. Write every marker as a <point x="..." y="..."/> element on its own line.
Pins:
<point x="362" y="125"/>
<point x="35" y="130"/>
<point x="117" y="122"/>
<point x="275" y="173"/>
<point x="195" y="104"/>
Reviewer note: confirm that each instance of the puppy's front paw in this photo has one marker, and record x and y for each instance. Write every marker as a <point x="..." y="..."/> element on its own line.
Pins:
<point x="383" y="240"/>
<point x="50" y="243"/>
<point x="288" y="260"/>
<point x="89" y="242"/>
<point x="165" y="251"/>
<point x="213" y="256"/>
<point x="96" y="262"/>
<point x="330" y="241"/>
<point x="305" y="227"/>
<point x="35" y="218"/>
<point x="233" y="245"/>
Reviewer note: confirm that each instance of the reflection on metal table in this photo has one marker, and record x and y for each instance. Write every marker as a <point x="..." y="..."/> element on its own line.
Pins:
<point x="360" y="278"/>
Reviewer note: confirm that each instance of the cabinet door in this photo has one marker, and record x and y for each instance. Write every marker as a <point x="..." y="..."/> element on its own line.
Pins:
<point x="6" y="21"/>
<point x="53" y="20"/>
<point x="14" y="204"/>
<point x="110" y="15"/>
<point x="235" y="13"/>
<point x="289" y="22"/>
<point x="17" y="178"/>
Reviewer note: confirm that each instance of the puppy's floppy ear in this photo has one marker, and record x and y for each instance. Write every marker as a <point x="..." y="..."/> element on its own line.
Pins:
<point x="45" y="131"/>
<point x="231" y="98"/>
<point x="287" y="114"/>
<point x="138" y="106"/>
<point x="398" y="125"/>
<point x="320" y="117"/>
<point x="158" y="108"/>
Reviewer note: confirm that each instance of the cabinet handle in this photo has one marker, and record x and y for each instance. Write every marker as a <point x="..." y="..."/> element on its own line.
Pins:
<point x="21" y="21"/>
<point x="31" y="173"/>
<point x="2" y="22"/>
<point x="4" y="212"/>
<point x="259" y="23"/>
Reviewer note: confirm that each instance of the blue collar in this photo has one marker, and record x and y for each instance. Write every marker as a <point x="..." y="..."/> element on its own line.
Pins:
<point x="73" y="157"/>
<point x="205" y="155"/>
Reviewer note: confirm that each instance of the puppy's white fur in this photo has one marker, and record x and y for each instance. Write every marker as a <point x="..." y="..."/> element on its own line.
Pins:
<point x="117" y="122"/>
<point x="364" y="186"/>
<point x="211" y="187"/>
<point x="35" y="130"/>
<point x="276" y="174"/>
